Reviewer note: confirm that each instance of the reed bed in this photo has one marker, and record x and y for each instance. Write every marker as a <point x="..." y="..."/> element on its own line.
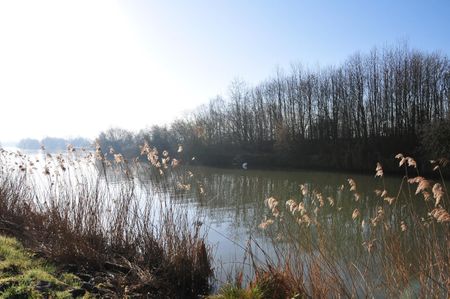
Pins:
<point x="338" y="244"/>
<point x="97" y="212"/>
<point x="92" y="212"/>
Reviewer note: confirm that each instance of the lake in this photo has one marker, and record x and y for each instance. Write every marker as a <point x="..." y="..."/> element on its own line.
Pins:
<point x="232" y="209"/>
<point x="233" y="206"/>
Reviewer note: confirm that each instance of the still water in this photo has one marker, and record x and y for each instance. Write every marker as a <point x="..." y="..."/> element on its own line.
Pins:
<point x="230" y="205"/>
<point x="233" y="206"/>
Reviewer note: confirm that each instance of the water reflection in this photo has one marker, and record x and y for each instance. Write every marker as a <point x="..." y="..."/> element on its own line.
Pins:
<point x="232" y="207"/>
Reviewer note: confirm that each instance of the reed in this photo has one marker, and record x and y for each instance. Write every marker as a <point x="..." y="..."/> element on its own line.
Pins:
<point x="97" y="212"/>
<point x="396" y="246"/>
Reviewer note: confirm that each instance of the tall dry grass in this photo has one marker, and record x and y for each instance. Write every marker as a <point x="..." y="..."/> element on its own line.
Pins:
<point x="341" y="244"/>
<point x="96" y="211"/>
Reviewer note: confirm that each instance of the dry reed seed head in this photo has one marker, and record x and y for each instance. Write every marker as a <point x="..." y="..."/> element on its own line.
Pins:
<point x="384" y="193"/>
<point x="70" y="148"/>
<point x="438" y="193"/>
<point x="399" y="156"/>
<point x="379" y="217"/>
<point x="443" y="162"/>
<point x="111" y="150"/>
<point x="426" y="195"/>
<point x="190" y="174"/>
<point x="319" y="197"/>
<point x="411" y="162"/>
<point x="416" y="180"/>
<point x="438" y="163"/>
<point x="352" y="184"/>
<point x="266" y="223"/>
<point x="379" y="170"/>
<point x="423" y="185"/>
<point x="434" y="164"/>
<point x="275" y="212"/>
<point x="403" y="226"/>
<point x="180" y="148"/>
<point x="292" y="205"/>
<point x="303" y="189"/>
<point x="152" y="157"/>
<point x="145" y="149"/>
<point x="185" y="187"/>
<point x="357" y="196"/>
<point x="330" y="201"/>
<point x="370" y="245"/>
<point x="175" y="163"/>
<point x="389" y="199"/>
<point x="304" y="219"/>
<point x="402" y="161"/>
<point x="118" y="158"/>
<point x="165" y="153"/>
<point x="441" y="215"/>
<point x="165" y="162"/>
<point x="355" y="214"/>
<point x="301" y="208"/>
<point x="271" y="202"/>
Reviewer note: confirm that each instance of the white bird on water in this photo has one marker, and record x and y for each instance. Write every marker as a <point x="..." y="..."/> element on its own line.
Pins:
<point x="244" y="165"/>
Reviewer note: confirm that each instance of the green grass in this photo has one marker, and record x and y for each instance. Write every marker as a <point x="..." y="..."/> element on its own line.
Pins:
<point x="21" y="273"/>
<point x="233" y="292"/>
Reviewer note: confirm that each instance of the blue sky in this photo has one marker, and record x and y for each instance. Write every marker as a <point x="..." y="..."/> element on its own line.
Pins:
<point x="222" y="39"/>
<point x="76" y="68"/>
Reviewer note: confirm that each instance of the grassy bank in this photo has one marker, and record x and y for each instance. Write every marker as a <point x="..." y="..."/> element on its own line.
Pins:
<point x="22" y="275"/>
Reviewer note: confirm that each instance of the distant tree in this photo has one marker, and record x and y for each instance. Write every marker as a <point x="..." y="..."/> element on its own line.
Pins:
<point x="370" y="107"/>
<point x="435" y="139"/>
<point x="54" y="144"/>
<point x="80" y="142"/>
<point x="162" y="139"/>
<point x="29" y="144"/>
<point x="116" y="140"/>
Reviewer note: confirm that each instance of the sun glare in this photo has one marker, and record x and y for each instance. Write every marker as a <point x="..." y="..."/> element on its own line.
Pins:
<point x="78" y="64"/>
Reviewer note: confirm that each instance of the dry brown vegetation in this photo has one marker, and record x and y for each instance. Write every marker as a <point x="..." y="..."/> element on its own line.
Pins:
<point x="397" y="246"/>
<point x="90" y="214"/>
<point x="97" y="213"/>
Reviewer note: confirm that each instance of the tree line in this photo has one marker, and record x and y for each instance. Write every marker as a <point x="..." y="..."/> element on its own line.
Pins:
<point x="344" y="117"/>
<point x="53" y="143"/>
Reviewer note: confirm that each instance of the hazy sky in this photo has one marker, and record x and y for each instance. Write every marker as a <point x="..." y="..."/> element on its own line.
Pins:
<point x="74" y="68"/>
